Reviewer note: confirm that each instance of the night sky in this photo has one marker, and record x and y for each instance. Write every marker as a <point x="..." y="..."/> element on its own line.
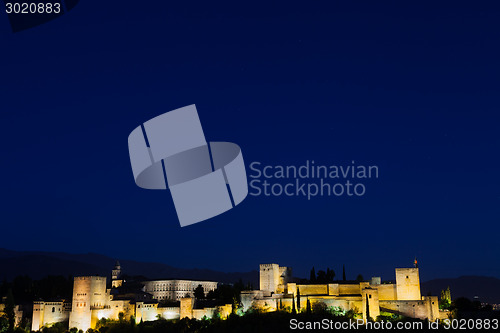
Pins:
<point x="413" y="89"/>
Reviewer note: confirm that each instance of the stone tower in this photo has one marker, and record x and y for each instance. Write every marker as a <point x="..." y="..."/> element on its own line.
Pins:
<point x="186" y="310"/>
<point x="38" y="311"/>
<point x="116" y="275"/>
<point x="407" y="284"/>
<point x="273" y="278"/>
<point x="370" y="303"/>
<point x="269" y="277"/>
<point x="89" y="293"/>
<point x="117" y="271"/>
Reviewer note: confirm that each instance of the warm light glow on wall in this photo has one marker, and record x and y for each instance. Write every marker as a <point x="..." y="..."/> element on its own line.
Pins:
<point x="101" y="314"/>
<point x="170" y="315"/>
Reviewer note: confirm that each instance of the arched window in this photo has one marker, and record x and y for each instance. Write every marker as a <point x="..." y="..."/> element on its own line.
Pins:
<point x="53" y="309"/>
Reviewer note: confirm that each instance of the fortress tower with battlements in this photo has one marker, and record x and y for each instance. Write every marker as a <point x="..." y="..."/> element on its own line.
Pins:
<point x="407" y="284"/>
<point x="89" y="294"/>
<point x="273" y="278"/>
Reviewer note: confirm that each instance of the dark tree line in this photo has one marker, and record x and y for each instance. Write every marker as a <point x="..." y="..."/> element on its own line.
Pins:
<point x="322" y="276"/>
<point x="23" y="291"/>
<point x="26" y="290"/>
<point x="224" y="294"/>
<point x="327" y="276"/>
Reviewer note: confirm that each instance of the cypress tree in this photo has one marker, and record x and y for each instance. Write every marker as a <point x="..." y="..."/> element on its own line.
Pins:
<point x="330" y="274"/>
<point x="367" y="309"/>
<point x="9" y="311"/>
<point x="312" y="276"/>
<point x="308" y="306"/>
<point x="343" y="273"/>
<point x="293" y="305"/>
<point x="298" y="299"/>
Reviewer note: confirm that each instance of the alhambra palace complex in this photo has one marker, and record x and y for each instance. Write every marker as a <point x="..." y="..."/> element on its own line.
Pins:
<point x="93" y="300"/>
<point x="401" y="298"/>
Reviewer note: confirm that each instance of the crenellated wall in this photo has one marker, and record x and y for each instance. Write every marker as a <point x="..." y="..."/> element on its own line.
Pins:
<point x="426" y="308"/>
<point x="386" y="292"/>
<point x="146" y="311"/>
<point x="312" y="289"/>
<point x="49" y="313"/>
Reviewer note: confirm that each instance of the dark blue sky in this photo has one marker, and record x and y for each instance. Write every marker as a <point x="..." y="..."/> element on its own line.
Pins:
<point x="412" y="89"/>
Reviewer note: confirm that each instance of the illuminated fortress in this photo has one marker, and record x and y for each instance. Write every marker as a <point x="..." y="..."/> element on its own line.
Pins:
<point x="373" y="297"/>
<point x="92" y="300"/>
<point x="173" y="299"/>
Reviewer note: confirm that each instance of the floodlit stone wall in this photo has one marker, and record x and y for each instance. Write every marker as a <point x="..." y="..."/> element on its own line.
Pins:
<point x="407" y="284"/>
